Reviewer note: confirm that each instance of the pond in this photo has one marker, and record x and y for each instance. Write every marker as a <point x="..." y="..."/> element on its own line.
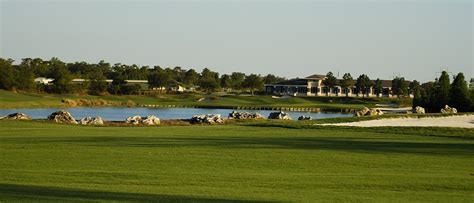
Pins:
<point x="121" y="113"/>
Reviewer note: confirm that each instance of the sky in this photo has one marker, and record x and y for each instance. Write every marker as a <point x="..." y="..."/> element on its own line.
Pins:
<point x="415" y="39"/>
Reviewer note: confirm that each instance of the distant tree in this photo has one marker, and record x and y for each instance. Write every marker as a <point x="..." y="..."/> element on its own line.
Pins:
<point x="459" y="95"/>
<point x="399" y="86"/>
<point x="272" y="79"/>
<point x="330" y="82"/>
<point x="237" y="79"/>
<point x="118" y="83"/>
<point x="160" y="79"/>
<point x="428" y="96"/>
<point x="415" y="89"/>
<point x="253" y="82"/>
<point x="209" y="80"/>
<point x="61" y="75"/>
<point x="378" y="88"/>
<point x="98" y="85"/>
<point x="347" y="83"/>
<point x="7" y="73"/>
<point x="363" y="85"/>
<point x="191" y="77"/>
<point x="225" y="81"/>
<point x="443" y="87"/>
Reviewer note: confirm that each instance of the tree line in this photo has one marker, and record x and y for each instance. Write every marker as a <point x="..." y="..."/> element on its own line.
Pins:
<point x="432" y="95"/>
<point x="22" y="77"/>
<point x="436" y="94"/>
<point x="363" y="85"/>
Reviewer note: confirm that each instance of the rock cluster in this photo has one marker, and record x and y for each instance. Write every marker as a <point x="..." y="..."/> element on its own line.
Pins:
<point x="244" y="115"/>
<point x="17" y="116"/>
<point x="207" y="119"/>
<point x="149" y="120"/>
<point x="449" y="110"/>
<point x="62" y="117"/>
<point x="92" y="121"/>
<point x="369" y="112"/>
<point x="279" y="115"/>
<point x="301" y="118"/>
<point x="418" y="110"/>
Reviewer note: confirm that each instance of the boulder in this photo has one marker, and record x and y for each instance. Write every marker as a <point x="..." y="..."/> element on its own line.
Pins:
<point x="149" y="120"/>
<point x="301" y="118"/>
<point x="62" y="117"/>
<point x="92" y="121"/>
<point x="375" y="112"/>
<point x="418" y="110"/>
<point x="207" y="119"/>
<point x="369" y="112"/>
<point x="244" y="115"/>
<point x="362" y="112"/>
<point x="279" y="115"/>
<point x="449" y="110"/>
<point x="17" y="116"/>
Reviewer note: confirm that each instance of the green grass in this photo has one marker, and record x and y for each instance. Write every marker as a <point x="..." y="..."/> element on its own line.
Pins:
<point x="10" y="99"/>
<point x="54" y="162"/>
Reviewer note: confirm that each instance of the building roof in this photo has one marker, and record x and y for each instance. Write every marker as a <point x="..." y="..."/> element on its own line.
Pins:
<point x="316" y="76"/>
<point x="293" y="82"/>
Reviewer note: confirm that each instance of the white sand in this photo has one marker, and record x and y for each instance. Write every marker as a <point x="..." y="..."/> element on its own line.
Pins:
<point x="462" y="121"/>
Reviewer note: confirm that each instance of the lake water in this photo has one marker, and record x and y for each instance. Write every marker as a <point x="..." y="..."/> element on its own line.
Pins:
<point x="121" y="113"/>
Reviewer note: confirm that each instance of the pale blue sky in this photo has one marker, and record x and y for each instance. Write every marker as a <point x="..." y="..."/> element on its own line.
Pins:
<point x="289" y="38"/>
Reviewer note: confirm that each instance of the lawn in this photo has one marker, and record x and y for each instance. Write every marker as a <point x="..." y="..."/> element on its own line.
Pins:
<point x="46" y="161"/>
<point x="10" y="99"/>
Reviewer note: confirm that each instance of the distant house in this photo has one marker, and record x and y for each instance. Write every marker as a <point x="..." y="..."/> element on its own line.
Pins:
<point x="43" y="80"/>
<point x="313" y="86"/>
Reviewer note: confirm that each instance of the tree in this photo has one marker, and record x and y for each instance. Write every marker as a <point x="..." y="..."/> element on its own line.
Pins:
<point x="98" y="85"/>
<point x="253" y="82"/>
<point x="347" y="83"/>
<point x="363" y="85"/>
<point x="209" y="80"/>
<point x="459" y="96"/>
<point x="399" y="86"/>
<point x="237" y="79"/>
<point x="378" y="88"/>
<point x="191" y="77"/>
<point x="272" y="79"/>
<point x="225" y="81"/>
<point x="118" y="83"/>
<point x="442" y="90"/>
<point x="415" y="89"/>
<point x="330" y="82"/>
<point x="159" y="79"/>
<point x="7" y="81"/>
<point x="61" y="75"/>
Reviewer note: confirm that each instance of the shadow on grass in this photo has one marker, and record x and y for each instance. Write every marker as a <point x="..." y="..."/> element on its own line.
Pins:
<point x="35" y="193"/>
<point x="366" y="145"/>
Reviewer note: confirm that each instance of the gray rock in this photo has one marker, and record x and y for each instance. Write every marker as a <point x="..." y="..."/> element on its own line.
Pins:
<point x="280" y="116"/>
<point x="244" y="115"/>
<point x="92" y="121"/>
<point x="449" y="110"/>
<point x="207" y="119"/>
<point x="419" y="110"/>
<point x="303" y="117"/>
<point x="369" y="112"/>
<point x="62" y="117"/>
<point x="149" y="120"/>
<point x="16" y="116"/>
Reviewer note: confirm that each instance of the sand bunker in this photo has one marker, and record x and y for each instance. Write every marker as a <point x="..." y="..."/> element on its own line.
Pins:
<point x="462" y="121"/>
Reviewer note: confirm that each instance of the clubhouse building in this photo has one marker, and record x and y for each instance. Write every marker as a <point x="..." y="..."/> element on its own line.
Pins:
<point x="313" y="86"/>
